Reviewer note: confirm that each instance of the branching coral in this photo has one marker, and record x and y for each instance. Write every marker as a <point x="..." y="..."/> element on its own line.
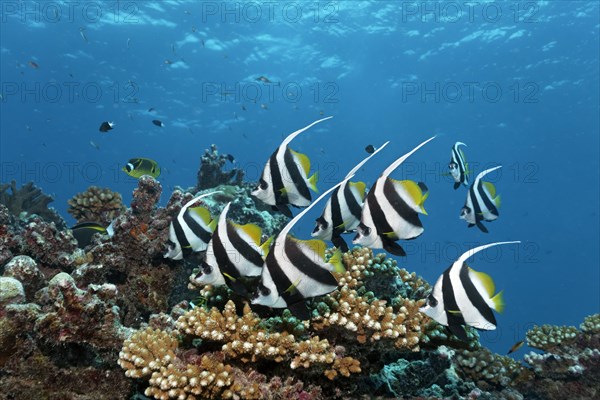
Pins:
<point x="547" y="337"/>
<point x="96" y="204"/>
<point x="487" y="367"/>
<point x="31" y="200"/>
<point x="173" y="374"/>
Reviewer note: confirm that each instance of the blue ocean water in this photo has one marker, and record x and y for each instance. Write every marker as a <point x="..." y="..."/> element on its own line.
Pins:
<point x="516" y="81"/>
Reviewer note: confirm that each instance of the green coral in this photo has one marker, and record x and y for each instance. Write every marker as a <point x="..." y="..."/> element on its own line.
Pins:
<point x="591" y="324"/>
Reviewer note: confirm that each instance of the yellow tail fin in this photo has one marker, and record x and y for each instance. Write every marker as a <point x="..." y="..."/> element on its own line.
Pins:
<point x="498" y="301"/>
<point x="336" y="262"/>
<point x="312" y="182"/>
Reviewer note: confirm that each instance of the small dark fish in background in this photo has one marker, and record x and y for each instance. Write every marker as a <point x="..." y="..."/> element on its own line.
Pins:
<point x="106" y="126"/>
<point x="370" y="149"/>
<point x="33" y="64"/>
<point x="263" y="79"/>
<point x="158" y="123"/>
<point x="516" y="346"/>
<point x="229" y="157"/>
<point x="136" y="167"/>
<point x="84" y="231"/>
<point x="151" y="109"/>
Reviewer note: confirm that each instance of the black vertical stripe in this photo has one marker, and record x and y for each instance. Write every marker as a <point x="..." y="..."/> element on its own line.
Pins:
<point x="183" y="242"/>
<point x="277" y="181"/>
<point x="224" y="262"/>
<point x="280" y="279"/>
<point x="351" y="202"/>
<point x="476" y="206"/>
<point x="474" y="296"/>
<point x="295" y="174"/>
<point x="196" y="229"/>
<point x="400" y="205"/>
<point x="454" y="318"/>
<point x="306" y="264"/>
<point x="242" y="247"/>
<point x="336" y="214"/>
<point x="379" y="220"/>
<point x="489" y="204"/>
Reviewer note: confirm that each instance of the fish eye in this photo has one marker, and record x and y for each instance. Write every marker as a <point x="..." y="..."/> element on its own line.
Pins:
<point x="263" y="290"/>
<point x="262" y="184"/>
<point x="431" y="301"/>
<point x="207" y="269"/>
<point x="129" y="167"/>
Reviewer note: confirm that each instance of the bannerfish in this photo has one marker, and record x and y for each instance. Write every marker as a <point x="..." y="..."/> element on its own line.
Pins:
<point x="370" y="149"/>
<point x="343" y="209"/>
<point x="234" y="251"/>
<point x="463" y="296"/>
<point x="284" y="180"/>
<point x="482" y="202"/>
<point x="137" y="167"/>
<point x="391" y="210"/>
<point x="458" y="166"/>
<point x="295" y="270"/>
<point x="191" y="230"/>
<point x="84" y="231"/>
<point x="158" y="123"/>
<point x="106" y="126"/>
<point x="516" y="347"/>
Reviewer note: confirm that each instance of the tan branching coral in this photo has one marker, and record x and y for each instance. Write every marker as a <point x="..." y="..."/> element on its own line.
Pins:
<point x="373" y="320"/>
<point x="243" y="339"/>
<point x="96" y="204"/>
<point x="147" y="351"/>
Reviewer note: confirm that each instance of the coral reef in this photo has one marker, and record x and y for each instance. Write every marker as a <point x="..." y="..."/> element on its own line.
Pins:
<point x="570" y="362"/>
<point x="211" y="173"/>
<point x="96" y="204"/>
<point x="71" y="320"/>
<point x="30" y="200"/>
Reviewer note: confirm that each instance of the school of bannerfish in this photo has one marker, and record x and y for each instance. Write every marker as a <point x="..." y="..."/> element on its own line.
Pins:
<point x="290" y="270"/>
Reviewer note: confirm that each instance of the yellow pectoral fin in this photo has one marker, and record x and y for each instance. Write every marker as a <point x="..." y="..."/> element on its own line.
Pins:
<point x="231" y="278"/>
<point x="293" y="287"/>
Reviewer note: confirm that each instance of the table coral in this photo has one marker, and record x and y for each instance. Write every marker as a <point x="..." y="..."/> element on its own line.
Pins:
<point x="96" y="204"/>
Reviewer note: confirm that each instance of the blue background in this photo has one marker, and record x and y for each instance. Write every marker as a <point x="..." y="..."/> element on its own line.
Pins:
<point x="398" y="71"/>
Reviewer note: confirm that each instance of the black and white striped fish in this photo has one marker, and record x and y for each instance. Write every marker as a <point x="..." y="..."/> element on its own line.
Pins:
<point x="191" y="230"/>
<point x="463" y="296"/>
<point x="295" y="270"/>
<point x="234" y="251"/>
<point x="343" y="209"/>
<point x="458" y="166"/>
<point x="284" y="180"/>
<point x="391" y="211"/>
<point x="482" y="202"/>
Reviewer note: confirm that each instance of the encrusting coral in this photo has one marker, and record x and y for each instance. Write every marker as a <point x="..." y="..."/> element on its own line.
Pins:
<point x="96" y="204"/>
